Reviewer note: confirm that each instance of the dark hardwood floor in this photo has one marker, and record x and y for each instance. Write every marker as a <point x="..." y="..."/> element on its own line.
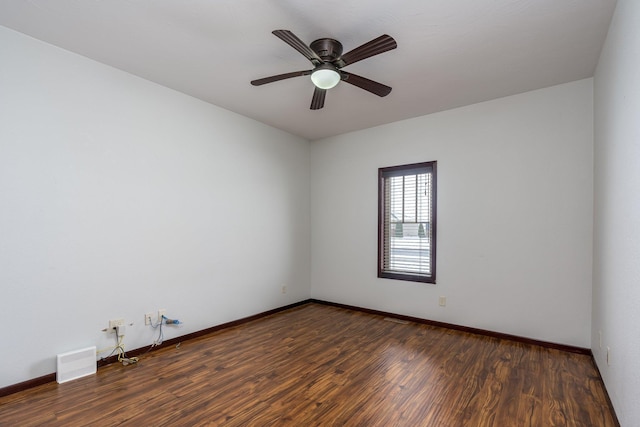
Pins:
<point x="318" y="365"/>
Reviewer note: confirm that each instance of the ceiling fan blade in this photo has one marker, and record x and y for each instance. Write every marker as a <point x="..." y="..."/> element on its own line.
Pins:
<point x="317" y="102"/>
<point x="278" y="77"/>
<point x="366" y="84"/>
<point x="376" y="46"/>
<point x="292" y="40"/>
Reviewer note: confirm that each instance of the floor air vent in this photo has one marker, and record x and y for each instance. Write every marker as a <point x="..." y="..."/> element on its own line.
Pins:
<point x="76" y="364"/>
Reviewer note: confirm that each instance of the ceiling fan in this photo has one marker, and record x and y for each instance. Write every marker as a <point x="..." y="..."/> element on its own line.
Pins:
<point x="327" y="58"/>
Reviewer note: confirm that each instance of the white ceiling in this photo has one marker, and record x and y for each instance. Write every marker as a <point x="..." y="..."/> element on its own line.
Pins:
<point x="450" y="52"/>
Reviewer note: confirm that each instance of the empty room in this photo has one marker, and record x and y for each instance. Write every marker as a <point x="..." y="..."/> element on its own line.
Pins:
<point x="331" y="213"/>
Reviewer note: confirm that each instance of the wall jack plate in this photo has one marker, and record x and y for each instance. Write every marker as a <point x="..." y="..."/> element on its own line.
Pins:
<point x="161" y="312"/>
<point x="113" y="323"/>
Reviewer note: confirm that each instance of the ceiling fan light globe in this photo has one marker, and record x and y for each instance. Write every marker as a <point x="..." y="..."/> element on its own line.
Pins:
<point x="325" y="78"/>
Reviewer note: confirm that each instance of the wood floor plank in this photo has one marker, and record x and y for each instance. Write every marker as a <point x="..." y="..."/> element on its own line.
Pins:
<point x="319" y="365"/>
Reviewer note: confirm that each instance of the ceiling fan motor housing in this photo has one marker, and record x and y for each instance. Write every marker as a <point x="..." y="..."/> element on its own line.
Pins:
<point x="327" y="49"/>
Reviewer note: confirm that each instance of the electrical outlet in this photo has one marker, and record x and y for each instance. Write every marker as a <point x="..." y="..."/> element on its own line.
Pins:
<point x="161" y="312"/>
<point x="147" y="318"/>
<point x="442" y="301"/>
<point x="115" y="322"/>
<point x="284" y="289"/>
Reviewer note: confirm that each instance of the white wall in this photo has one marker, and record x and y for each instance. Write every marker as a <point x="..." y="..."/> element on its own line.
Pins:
<point x="119" y="197"/>
<point x="515" y="200"/>
<point x="616" y="273"/>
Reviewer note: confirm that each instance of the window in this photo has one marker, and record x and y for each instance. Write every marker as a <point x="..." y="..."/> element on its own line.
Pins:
<point x="407" y="222"/>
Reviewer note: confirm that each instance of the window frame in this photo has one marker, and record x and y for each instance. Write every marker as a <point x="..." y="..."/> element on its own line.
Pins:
<point x="405" y="170"/>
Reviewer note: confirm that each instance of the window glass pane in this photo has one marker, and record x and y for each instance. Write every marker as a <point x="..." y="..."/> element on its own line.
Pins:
<point x="424" y="211"/>
<point x="395" y="198"/>
<point x="410" y="198"/>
